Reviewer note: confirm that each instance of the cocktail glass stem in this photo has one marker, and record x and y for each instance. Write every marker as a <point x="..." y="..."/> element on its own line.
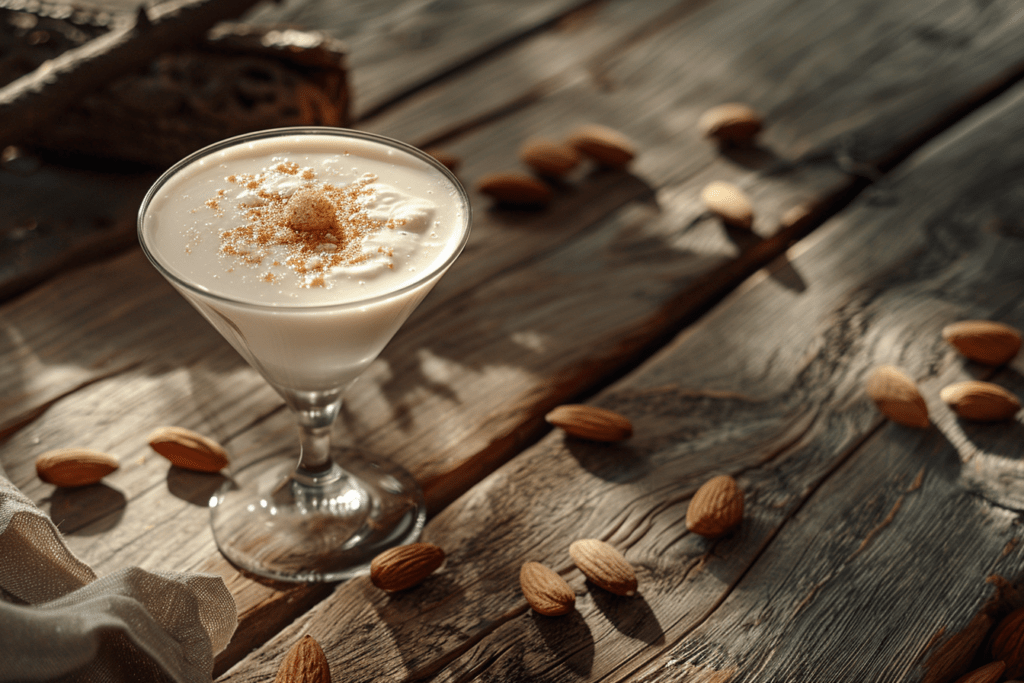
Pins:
<point x="315" y="438"/>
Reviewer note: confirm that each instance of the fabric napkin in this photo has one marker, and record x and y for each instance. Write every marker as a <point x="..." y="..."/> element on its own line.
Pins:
<point x="59" y="622"/>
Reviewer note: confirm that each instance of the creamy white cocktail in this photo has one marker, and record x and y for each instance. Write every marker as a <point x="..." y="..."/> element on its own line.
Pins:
<point x="310" y="305"/>
<point x="307" y="248"/>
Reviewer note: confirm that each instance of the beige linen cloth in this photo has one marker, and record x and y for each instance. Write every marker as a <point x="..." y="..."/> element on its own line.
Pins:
<point x="58" y="622"/>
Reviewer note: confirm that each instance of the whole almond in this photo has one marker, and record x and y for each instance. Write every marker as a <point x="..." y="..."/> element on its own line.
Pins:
<point x="953" y="656"/>
<point x="607" y="147"/>
<point x="729" y="203"/>
<point x="546" y="591"/>
<point x="72" y="467"/>
<point x="515" y="189"/>
<point x="980" y="401"/>
<point x="447" y="159"/>
<point x="549" y="158"/>
<point x="590" y="422"/>
<point x="1008" y="643"/>
<point x="716" y="507"/>
<point x="984" y="341"/>
<point x="188" y="450"/>
<point x="405" y="566"/>
<point x="304" y="663"/>
<point x="897" y="396"/>
<point x="732" y="123"/>
<point x="604" y="566"/>
<point x="990" y="673"/>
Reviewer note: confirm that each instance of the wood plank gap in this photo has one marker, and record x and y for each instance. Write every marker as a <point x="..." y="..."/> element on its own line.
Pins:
<point x="632" y="670"/>
<point x="983" y="95"/>
<point x="473" y="60"/>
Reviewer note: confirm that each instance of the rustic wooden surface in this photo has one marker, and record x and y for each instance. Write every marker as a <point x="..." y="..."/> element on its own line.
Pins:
<point x="865" y="544"/>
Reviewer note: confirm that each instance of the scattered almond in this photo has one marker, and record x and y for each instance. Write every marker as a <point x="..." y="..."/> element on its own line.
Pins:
<point x="72" y="467"/>
<point x="304" y="663"/>
<point x="515" y="189"/>
<point x="549" y="158"/>
<point x="604" y="566"/>
<point x="732" y="123"/>
<point x="980" y="401"/>
<point x="716" y="507"/>
<point x="984" y="341"/>
<point x="188" y="450"/>
<point x="1008" y="643"/>
<point x="605" y="146"/>
<point x="897" y="396"/>
<point x="990" y="673"/>
<point x="546" y="591"/>
<point x="729" y="203"/>
<point x="590" y="422"/>
<point x="447" y="159"/>
<point x="405" y="566"/>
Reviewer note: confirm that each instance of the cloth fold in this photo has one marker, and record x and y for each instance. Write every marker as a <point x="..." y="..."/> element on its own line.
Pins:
<point x="60" y="623"/>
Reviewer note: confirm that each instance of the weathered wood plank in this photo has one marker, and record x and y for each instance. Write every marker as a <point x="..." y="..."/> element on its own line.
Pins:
<point x="861" y="540"/>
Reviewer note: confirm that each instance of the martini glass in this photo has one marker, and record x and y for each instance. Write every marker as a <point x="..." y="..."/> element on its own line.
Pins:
<point x="315" y="513"/>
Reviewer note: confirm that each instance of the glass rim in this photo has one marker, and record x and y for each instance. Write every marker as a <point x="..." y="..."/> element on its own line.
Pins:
<point x="305" y="130"/>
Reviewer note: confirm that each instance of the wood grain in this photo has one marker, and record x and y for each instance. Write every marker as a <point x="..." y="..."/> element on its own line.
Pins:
<point x="865" y="544"/>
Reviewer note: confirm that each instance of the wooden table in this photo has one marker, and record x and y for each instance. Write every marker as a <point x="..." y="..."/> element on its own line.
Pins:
<point x="895" y="130"/>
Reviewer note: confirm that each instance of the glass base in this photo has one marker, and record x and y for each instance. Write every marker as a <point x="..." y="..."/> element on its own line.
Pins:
<point x="287" y="525"/>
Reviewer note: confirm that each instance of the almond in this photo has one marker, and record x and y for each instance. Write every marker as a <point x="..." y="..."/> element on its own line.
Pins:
<point x="897" y="396"/>
<point x="716" y="507"/>
<point x="405" y="566"/>
<point x="984" y="341"/>
<point x="980" y="401"/>
<point x="952" y="657"/>
<point x="590" y="422"/>
<point x="546" y="591"/>
<point x="304" y="663"/>
<point x="549" y="158"/>
<point x="729" y="203"/>
<point x="188" y="450"/>
<point x="515" y="189"/>
<point x="447" y="159"/>
<point x="1008" y="643"/>
<point x="604" y="566"/>
<point x="732" y="123"/>
<point x="990" y="673"/>
<point x="74" y="466"/>
<point x="310" y="210"/>
<point x="605" y="146"/>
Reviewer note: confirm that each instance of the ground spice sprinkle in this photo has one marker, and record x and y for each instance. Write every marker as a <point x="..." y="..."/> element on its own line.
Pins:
<point x="325" y="227"/>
